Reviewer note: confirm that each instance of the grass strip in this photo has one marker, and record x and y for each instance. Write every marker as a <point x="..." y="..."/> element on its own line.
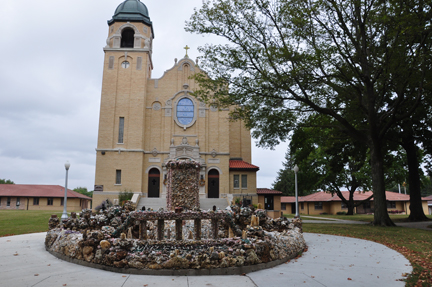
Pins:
<point x="16" y="222"/>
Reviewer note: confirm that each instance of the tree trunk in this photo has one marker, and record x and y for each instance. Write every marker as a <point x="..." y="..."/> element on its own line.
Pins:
<point x="381" y="217"/>
<point x="350" y="209"/>
<point x="416" y="207"/>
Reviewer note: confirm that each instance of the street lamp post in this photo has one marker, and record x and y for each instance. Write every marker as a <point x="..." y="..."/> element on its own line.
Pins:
<point x="296" y="169"/>
<point x="64" y="215"/>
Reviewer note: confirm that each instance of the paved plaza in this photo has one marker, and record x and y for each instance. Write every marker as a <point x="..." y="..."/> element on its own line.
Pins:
<point x="330" y="261"/>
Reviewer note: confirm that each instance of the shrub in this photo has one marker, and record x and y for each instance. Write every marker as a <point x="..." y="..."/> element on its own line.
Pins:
<point x="324" y="213"/>
<point x="125" y="196"/>
<point x="341" y="213"/>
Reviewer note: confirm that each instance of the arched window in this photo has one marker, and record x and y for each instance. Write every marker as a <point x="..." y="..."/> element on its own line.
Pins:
<point x="127" y="39"/>
<point x="185" y="111"/>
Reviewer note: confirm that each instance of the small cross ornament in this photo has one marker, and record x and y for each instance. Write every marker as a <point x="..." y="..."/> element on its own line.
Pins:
<point x="186" y="48"/>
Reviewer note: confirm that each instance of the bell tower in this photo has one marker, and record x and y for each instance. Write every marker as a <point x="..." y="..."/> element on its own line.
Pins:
<point x="127" y="68"/>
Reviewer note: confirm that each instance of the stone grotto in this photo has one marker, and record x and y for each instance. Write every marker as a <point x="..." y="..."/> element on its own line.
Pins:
<point x="182" y="240"/>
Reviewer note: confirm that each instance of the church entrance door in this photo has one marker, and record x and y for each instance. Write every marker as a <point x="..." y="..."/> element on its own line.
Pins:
<point x="213" y="184"/>
<point x="153" y="182"/>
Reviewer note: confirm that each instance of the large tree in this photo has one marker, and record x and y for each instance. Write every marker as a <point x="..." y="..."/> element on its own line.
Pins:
<point x="333" y="161"/>
<point x="84" y="191"/>
<point x="285" y="59"/>
<point x="6" y="181"/>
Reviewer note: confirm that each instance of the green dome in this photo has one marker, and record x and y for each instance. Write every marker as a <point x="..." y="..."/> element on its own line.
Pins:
<point x="133" y="11"/>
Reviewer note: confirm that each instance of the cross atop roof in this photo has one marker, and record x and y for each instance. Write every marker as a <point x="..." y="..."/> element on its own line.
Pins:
<point x="186" y="48"/>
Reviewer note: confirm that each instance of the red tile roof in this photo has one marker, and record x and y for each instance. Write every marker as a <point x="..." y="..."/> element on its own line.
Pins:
<point x="236" y="164"/>
<point x="358" y="196"/>
<point x="267" y="191"/>
<point x="33" y="190"/>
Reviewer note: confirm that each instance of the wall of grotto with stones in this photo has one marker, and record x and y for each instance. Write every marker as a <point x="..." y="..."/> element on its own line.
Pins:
<point x="115" y="237"/>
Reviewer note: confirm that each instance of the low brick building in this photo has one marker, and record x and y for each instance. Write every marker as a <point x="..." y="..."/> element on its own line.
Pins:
<point x="429" y="199"/>
<point x="40" y="197"/>
<point x="325" y="203"/>
<point x="270" y="200"/>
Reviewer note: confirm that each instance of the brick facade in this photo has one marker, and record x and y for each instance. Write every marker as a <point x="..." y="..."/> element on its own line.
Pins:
<point x="152" y="133"/>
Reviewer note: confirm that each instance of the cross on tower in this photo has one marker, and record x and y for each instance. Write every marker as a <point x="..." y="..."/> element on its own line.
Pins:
<point x="186" y="48"/>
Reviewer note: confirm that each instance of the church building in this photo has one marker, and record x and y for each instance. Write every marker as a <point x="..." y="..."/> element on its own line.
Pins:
<point x="144" y="122"/>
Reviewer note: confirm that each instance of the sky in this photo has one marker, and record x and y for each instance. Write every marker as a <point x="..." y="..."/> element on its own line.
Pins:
<point x="50" y="85"/>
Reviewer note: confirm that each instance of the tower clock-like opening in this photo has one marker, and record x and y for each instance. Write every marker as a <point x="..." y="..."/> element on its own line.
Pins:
<point x="127" y="39"/>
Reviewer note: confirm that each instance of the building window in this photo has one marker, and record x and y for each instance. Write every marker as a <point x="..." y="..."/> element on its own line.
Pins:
<point x="127" y="38"/>
<point x="50" y="201"/>
<point x="62" y="201"/>
<point x="302" y="205"/>
<point x="36" y="201"/>
<point x="118" y="176"/>
<point x="236" y="181"/>
<point x="344" y="206"/>
<point x="185" y="111"/>
<point x="121" y="130"/>
<point x="0" y="201"/>
<point x="18" y="201"/>
<point x="244" y="180"/>
<point x="8" y="201"/>
<point x="391" y="204"/>
<point x="318" y="205"/>
<point x="283" y="206"/>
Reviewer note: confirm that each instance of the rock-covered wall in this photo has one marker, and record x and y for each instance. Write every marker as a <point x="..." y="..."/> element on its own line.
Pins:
<point x="91" y="238"/>
<point x="183" y="184"/>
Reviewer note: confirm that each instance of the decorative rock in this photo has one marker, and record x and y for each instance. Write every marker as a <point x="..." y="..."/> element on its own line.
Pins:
<point x="214" y="256"/>
<point x="129" y="234"/>
<point x="244" y="235"/>
<point x="88" y="253"/>
<point x="54" y="222"/>
<point x="136" y="264"/>
<point x="105" y="244"/>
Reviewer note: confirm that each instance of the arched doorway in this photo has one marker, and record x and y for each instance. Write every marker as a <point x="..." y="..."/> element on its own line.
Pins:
<point x="153" y="182"/>
<point x="213" y="184"/>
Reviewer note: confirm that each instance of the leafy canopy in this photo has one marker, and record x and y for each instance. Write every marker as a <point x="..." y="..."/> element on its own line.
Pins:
<point x="346" y="59"/>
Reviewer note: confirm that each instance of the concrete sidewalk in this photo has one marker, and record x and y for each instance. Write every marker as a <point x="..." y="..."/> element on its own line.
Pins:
<point x="330" y="261"/>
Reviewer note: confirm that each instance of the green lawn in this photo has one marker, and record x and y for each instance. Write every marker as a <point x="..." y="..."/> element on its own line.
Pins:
<point x="15" y="222"/>
<point x="414" y="244"/>
<point x="359" y="217"/>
